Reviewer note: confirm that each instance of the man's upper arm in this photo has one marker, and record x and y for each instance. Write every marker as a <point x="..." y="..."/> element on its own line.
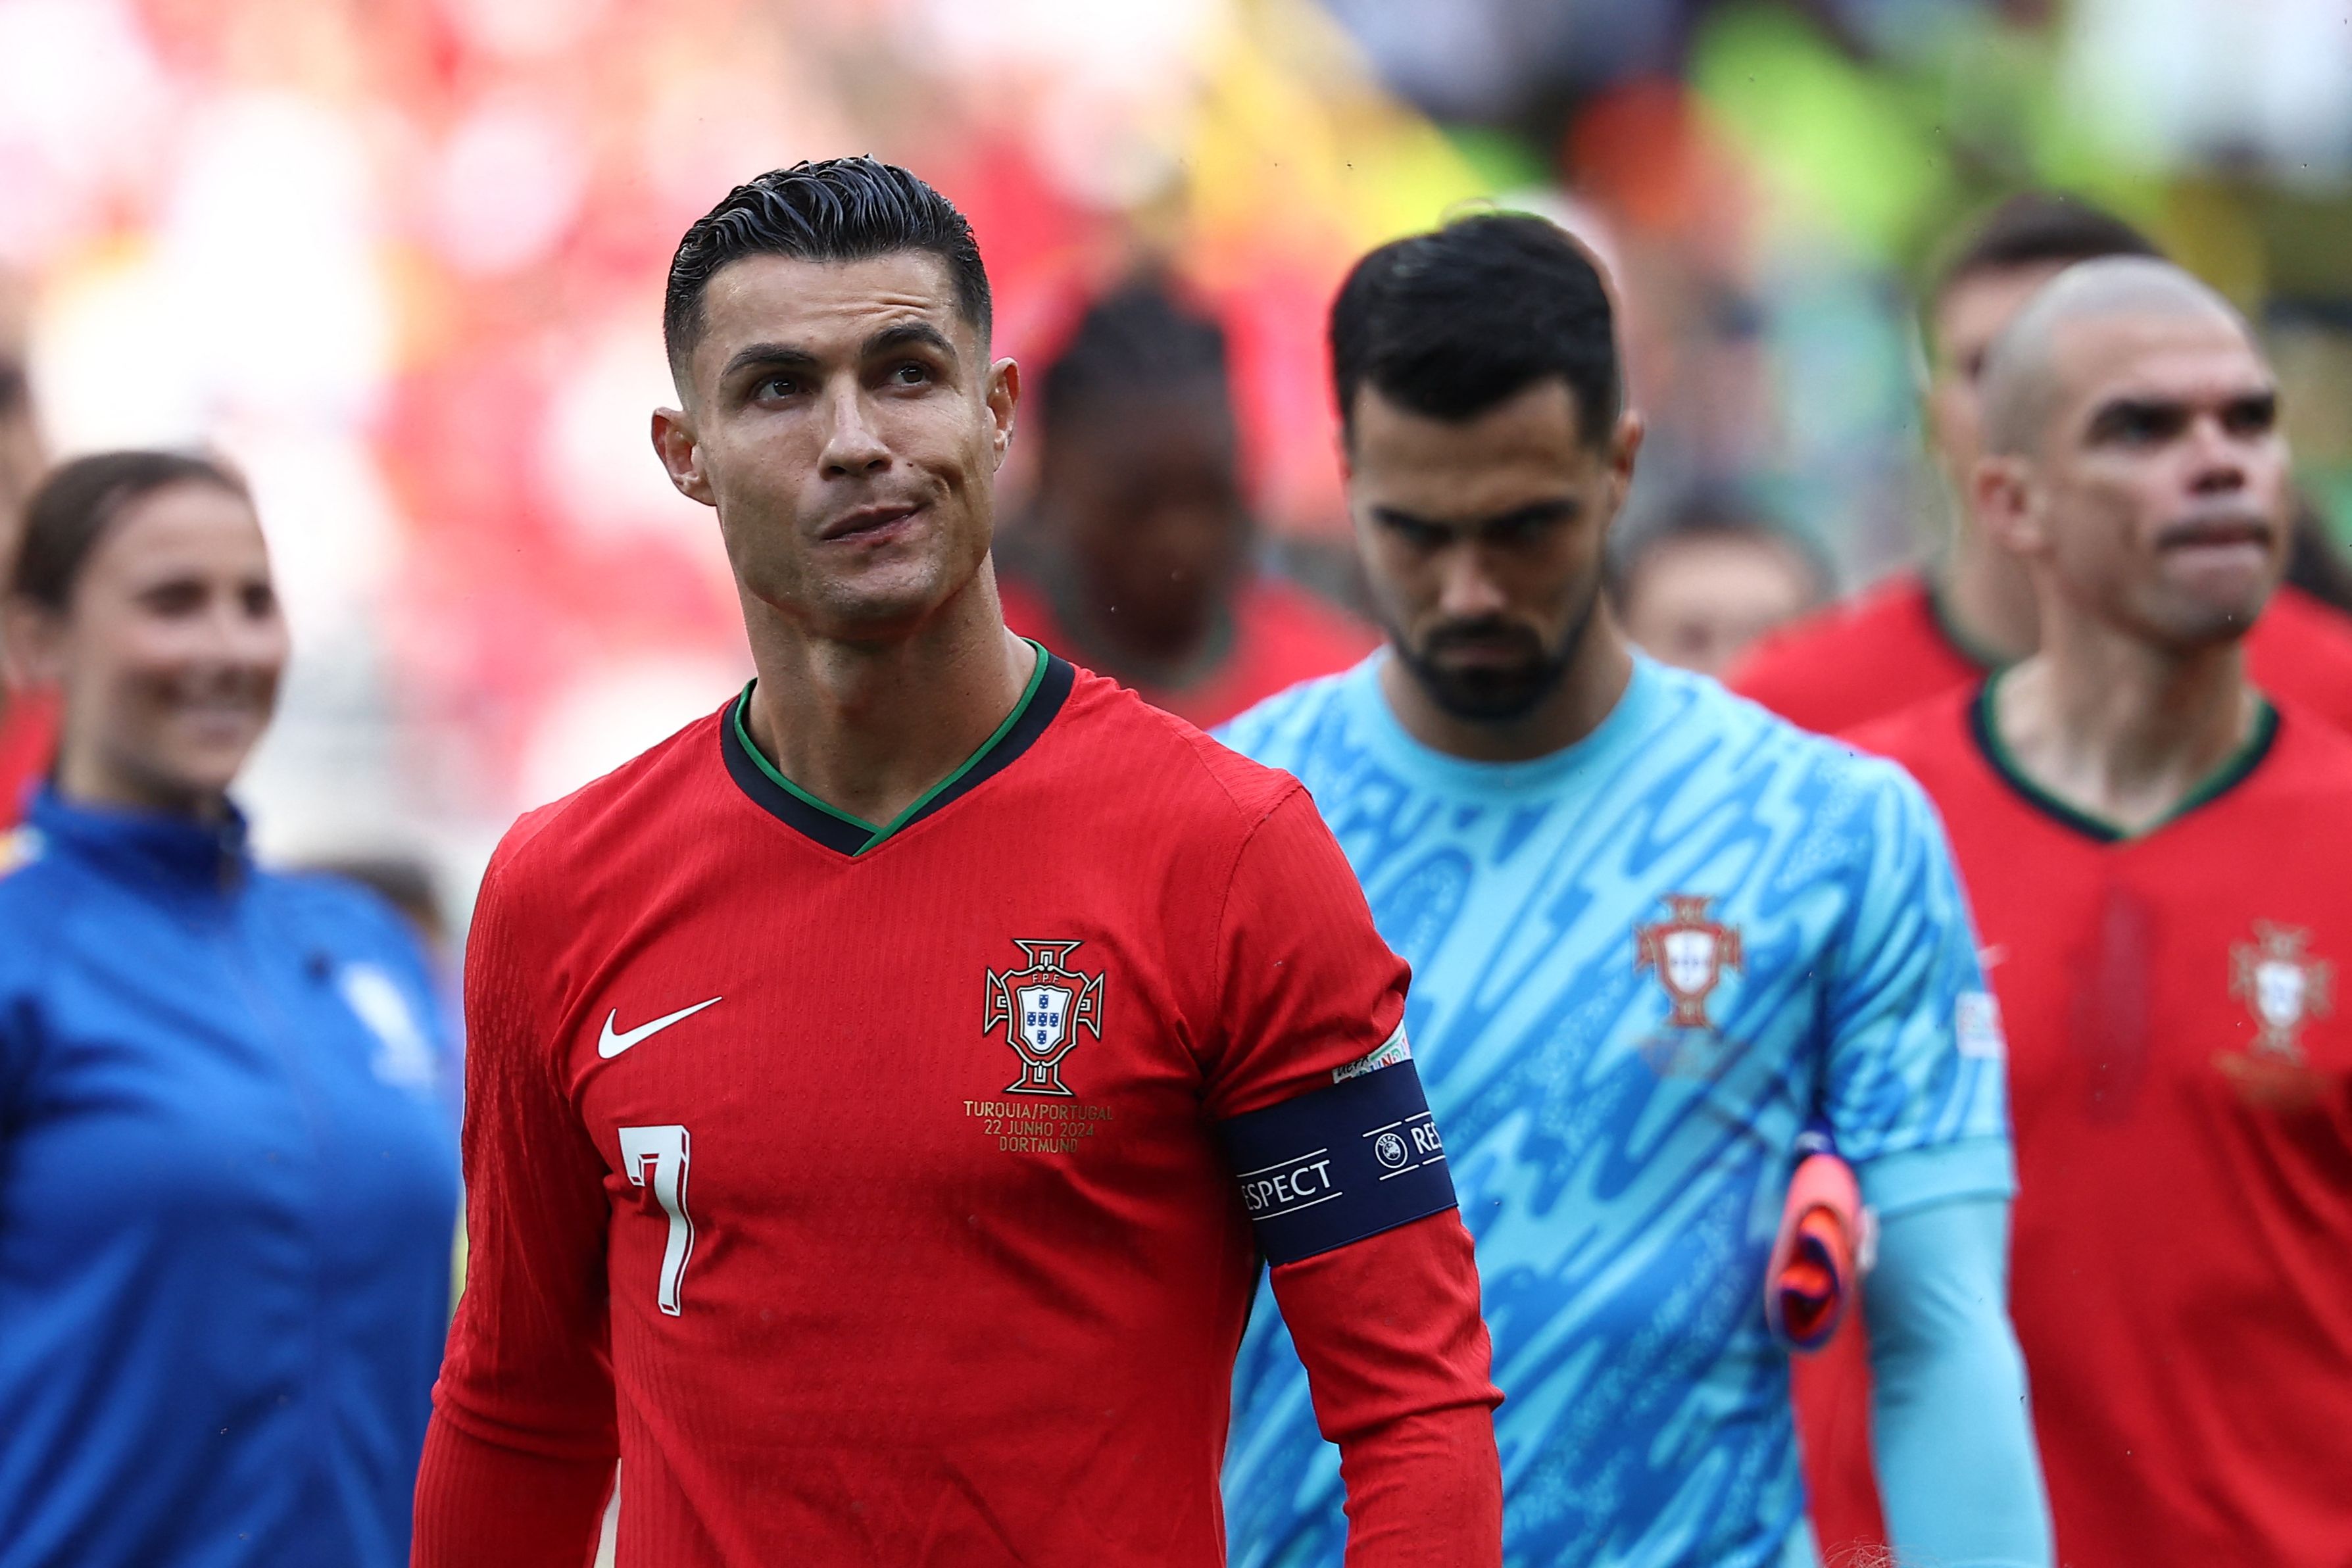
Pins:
<point x="527" y="1364"/>
<point x="1340" y="1166"/>
<point x="1915" y="1088"/>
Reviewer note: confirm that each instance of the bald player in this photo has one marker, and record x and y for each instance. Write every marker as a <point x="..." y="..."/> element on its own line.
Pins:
<point x="2158" y="850"/>
<point x="1974" y="609"/>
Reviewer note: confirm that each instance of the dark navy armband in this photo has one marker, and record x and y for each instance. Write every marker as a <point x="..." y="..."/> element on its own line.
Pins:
<point x="1338" y="1164"/>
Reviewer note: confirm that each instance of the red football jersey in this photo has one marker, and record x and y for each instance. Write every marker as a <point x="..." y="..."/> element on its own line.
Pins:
<point x="2181" y="1086"/>
<point x="1891" y="646"/>
<point x="28" y="742"/>
<point x="887" y="1162"/>
<point x="1278" y="635"/>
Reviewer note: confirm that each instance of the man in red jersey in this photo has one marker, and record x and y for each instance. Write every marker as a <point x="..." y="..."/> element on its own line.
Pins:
<point x="2158" y="850"/>
<point x="881" y="1094"/>
<point x="1919" y="633"/>
<point x="28" y="717"/>
<point x="1142" y="564"/>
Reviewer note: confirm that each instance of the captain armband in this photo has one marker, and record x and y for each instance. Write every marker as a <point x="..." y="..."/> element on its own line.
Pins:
<point x="1338" y="1164"/>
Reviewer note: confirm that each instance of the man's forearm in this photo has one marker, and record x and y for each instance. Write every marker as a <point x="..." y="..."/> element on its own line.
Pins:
<point x="1398" y="1361"/>
<point x="480" y="1502"/>
<point x="1957" y="1467"/>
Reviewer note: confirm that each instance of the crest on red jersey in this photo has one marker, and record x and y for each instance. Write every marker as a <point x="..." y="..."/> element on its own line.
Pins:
<point x="1043" y="1007"/>
<point x="2282" y="986"/>
<point x="1690" y="953"/>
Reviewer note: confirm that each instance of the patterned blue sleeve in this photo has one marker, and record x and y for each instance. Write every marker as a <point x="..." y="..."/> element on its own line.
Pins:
<point x="1913" y="1092"/>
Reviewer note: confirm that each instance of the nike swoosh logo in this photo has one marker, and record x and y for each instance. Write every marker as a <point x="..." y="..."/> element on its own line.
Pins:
<point x="610" y="1044"/>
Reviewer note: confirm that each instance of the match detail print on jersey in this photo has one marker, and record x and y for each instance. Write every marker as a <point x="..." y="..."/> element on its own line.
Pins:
<point x="1340" y="1164"/>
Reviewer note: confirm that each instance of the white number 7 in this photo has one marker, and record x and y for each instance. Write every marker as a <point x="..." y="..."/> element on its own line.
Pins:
<point x="666" y="1150"/>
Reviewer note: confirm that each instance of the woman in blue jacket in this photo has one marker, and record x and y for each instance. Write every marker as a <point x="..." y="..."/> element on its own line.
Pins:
<point x="227" y="1189"/>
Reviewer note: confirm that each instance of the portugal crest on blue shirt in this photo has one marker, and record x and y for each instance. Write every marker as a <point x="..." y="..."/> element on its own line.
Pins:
<point x="1690" y="953"/>
<point x="1045" y="1005"/>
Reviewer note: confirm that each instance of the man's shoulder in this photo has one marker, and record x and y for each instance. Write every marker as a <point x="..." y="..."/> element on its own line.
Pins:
<point x="1127" y="750"/>
<point x="1278" y="732"/>
<point x="1922" y="737"/>
<point x="1852" y="660"/>
<point x="1752" y="735"/>
<point x="626" y="803"/>
<point x="2310" y="758"/>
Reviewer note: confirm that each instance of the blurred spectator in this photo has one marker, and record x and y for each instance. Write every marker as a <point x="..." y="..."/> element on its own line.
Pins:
<point x="1141" y="561"/>
<point x="28" y="718"/>
<point x="227" y="1213"/>
<point x="1695" y="589"/>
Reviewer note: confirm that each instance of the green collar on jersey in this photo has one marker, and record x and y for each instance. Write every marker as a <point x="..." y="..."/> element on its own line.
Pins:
<point x="2233" y="772"/>
<point x="1049" y="686"/>
<point x="1948" y="628"/>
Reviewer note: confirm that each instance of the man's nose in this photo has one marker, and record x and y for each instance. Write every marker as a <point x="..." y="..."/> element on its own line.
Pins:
<point x="2218" y="460"/>
<point x="853" y="446"/>
<point x="1468" y="590"/>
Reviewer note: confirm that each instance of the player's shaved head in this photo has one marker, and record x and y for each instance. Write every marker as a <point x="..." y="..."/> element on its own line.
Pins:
<point x="2025" y="376"/>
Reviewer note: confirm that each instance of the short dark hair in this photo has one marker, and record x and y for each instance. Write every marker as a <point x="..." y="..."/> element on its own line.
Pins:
<point x="73" y="507"/>
<point x="1452" y="323"/>
<point x="2037" y="228"/>
<point x="841" y="209"/>
<point x="1140" y="337"/>
<point x="1704" y="516"/>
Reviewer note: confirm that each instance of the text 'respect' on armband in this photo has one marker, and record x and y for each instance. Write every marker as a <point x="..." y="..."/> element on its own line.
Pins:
<point x="1338" y="1164"/>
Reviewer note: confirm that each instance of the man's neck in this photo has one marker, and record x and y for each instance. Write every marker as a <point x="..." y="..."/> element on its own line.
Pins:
<point x="1987" y="600"/>
<point x="869" y="728"/>
<point x="1596" y="677"/>
<point x="2118" y="729"/>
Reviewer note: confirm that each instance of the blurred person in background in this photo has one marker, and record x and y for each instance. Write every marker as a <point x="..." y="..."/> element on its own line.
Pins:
<point x="28" y="719"/>
<point x="1696" y="587"/>
<point x="859" y="1083"/>
<point x="227" y="1188"/>
<point x="1973" y="610"/>
<point x="1659" y="938"/>
<point x="2157" y="848"/>
<point x="1143" y="564"/>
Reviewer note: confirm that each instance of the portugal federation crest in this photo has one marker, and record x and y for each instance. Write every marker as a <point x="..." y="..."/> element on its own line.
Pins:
<point x="1045" y="1005"/>
<point x="2282" y="986"/>
<point x="1690" y="953"/>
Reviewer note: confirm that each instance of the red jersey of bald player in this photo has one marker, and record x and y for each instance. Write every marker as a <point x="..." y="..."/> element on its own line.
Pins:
<point x="1275" y="636"/>
<point x="1888" y="648"/>
<point x="1892" y="647"/>
<point x="2180" y="1062"/>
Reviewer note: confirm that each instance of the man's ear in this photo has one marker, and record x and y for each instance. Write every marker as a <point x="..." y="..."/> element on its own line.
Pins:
<point x="2001" y="503"/>
<point x="681" y="454"/>
<point x="32" y="644"/>
<point x="1624" y="447"/>
<point x="1004" y="404"/>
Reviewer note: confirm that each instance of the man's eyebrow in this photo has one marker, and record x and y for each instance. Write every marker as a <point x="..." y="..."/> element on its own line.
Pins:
<point x="1534" y="512"/>
<point x="2117" y="411"/>
<point x="910" y="334"/>
<point x="783" y="356"/>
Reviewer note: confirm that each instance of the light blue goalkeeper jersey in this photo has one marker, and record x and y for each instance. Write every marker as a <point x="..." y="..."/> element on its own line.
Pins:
<point x="1642" y="967"/>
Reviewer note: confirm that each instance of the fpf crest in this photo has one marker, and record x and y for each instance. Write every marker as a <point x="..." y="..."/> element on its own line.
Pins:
<point x="1046" y="1005"/>
<point x="1690" y="953"/>
<point x="2281" y="984"/>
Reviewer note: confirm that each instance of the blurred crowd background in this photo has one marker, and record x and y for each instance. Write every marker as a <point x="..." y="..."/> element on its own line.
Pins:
<point x="402" y="262"/>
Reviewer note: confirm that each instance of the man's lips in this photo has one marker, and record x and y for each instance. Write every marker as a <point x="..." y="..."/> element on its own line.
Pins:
<point x="2216" y="534"/>
<point x="866" y="520"/>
